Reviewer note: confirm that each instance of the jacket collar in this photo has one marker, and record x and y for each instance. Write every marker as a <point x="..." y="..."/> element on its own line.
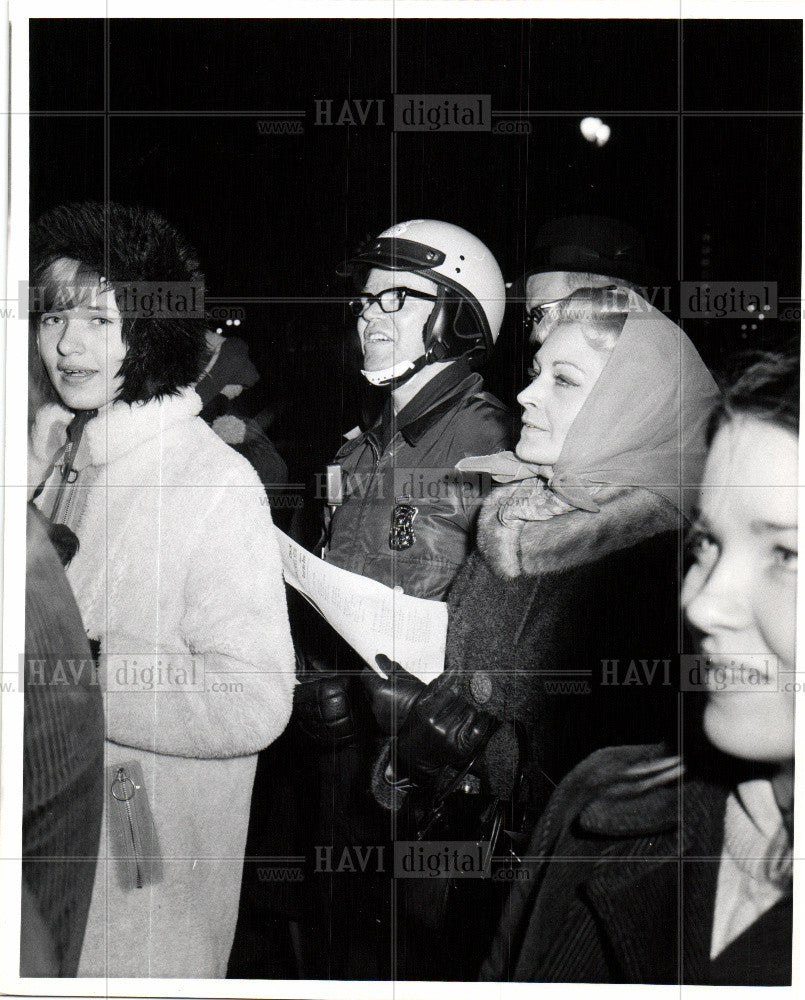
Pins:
<point x="636" y="898"/>
<point x="432" y="401"/>
<point x="627" y="515"/>
<point x="649" y="893"/>
<point x="116" y="430"/>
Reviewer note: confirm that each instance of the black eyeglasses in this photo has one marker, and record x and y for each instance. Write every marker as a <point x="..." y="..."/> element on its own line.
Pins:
<point x="538" y="313"/>
<point x="607" y="298"/>
<point x="390" y="300"/>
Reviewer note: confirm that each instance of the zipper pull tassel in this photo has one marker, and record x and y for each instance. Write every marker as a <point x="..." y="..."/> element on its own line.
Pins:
<point x="123" y="789"/>
<point x="121" y="782"/>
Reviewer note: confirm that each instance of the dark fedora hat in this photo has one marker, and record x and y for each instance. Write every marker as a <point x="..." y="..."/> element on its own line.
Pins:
<point x="591" y="243"/>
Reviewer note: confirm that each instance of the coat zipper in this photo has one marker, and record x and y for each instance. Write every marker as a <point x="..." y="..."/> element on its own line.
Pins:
<point x="67" y="492"/>
<point x="69" y="474"/>
<point x="124" y="796"/>
<point x="66" y="485"/>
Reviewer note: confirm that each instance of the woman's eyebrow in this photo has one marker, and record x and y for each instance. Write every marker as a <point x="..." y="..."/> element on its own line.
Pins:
<point x="572" y="365"/>
<point x="761" y="526"/>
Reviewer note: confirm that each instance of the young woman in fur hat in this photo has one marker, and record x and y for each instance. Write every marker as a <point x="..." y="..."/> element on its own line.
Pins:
<point x="645" y="871"/>
<point x="564" y="624"/>
<point x="178" y="580"/>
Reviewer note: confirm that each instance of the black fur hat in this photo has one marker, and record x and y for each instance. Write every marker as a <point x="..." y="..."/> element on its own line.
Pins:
<point x="127" y="245"/>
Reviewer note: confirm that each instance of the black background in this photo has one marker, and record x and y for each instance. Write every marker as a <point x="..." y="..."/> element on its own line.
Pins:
<point x="704" y="159"/>
<point x="706" y="139"/>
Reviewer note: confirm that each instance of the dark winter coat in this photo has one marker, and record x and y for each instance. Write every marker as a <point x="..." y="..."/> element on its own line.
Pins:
<point x="567" y="631"/>
<point x="62" y="784"/>
<point x="608" y="868"/>
<point x="407" y="516"/>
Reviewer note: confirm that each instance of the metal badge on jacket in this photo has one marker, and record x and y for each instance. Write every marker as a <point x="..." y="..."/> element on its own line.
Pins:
<point x="402" y="534"/>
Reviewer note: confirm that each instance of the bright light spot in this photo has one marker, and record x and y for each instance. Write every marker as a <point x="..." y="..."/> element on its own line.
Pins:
<point x="594" y="130"/>
<point x="602" y="134"/>
<point x="589" y="126"/>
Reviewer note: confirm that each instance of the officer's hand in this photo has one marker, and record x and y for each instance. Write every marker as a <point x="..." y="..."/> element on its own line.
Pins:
<point x="390" y="700"/>
<point x="442" y="730"/>
<point x="322" y="710"/>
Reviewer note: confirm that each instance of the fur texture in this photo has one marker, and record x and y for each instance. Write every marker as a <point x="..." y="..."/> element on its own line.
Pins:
<point x="127" y="245"/>
<point x="541" y="599"/>
<point x="179" y="559"/>
<point x="627" y="516"/>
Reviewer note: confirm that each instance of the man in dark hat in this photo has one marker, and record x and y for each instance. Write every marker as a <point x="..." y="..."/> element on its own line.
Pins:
<point x="568" y="253"/>
<point x="581" y="251"/>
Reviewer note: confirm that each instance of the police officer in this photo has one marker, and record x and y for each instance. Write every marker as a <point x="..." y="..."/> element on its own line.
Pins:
<point x="428" y="312"/>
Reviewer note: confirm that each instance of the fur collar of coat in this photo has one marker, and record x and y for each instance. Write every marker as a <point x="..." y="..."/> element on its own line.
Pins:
<point x="627" y="516"/>
<point x="116" y="430"/>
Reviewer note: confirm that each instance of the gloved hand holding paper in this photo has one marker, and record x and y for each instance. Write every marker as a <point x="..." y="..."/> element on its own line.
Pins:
<point x="371" y="617"/>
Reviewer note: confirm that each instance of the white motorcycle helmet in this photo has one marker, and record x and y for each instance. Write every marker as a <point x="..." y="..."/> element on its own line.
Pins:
<point x="471" y="295"/>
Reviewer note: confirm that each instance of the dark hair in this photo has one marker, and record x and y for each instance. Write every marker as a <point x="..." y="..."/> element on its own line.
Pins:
<point x="116" y="246"/>
<point x="768" y="389"/>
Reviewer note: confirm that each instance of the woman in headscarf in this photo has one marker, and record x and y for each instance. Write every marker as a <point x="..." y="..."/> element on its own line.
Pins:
<point x="645" y="871"/>
<point x="177" y="577"/>
<point x="564" y="625"/>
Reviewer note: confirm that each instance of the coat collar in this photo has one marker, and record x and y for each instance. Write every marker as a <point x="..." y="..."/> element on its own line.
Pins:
<point x="433" y="400"/>
<point x="637" y="896"/>
<point x="116" y="430"/>
<point x="627" y="516"/>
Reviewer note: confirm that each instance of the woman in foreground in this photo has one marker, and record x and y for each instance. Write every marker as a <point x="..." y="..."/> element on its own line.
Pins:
<point x="647" y="870"/>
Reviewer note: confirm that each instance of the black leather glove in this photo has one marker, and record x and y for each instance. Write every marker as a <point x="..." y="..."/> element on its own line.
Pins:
<point x="390" y="700"/>
<point x="322" y="710"/>
<point x="442" y="730"/>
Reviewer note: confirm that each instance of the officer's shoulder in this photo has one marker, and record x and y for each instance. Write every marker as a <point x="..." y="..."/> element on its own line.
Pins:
<point x="481" y="408"/>
<point x="480" y="424"/>
<point x="482" y="400"/>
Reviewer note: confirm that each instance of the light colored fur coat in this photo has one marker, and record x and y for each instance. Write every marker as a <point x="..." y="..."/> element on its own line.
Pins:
<point x="177" y="556"/>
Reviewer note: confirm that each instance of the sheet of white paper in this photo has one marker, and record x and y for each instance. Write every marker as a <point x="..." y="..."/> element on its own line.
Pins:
<point x="371" y="617"/>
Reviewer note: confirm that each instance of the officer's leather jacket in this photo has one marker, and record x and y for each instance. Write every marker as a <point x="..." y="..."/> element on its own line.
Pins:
<point x="407" y="517"/>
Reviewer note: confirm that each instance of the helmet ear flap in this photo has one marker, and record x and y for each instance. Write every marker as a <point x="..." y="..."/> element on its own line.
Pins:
<point x="452" y="329"/>
<point x="436" y="330"/>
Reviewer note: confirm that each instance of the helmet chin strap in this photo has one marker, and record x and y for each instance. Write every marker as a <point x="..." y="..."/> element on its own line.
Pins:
<point x="397" y="375"/>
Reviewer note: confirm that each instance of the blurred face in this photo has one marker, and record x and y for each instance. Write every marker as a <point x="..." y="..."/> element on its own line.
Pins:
<point x="566" y="367"/>
<point x="82" y="349"/>
<point x="389" y="338"/>
<point x="740" y="592"/>
<point x="552" y="285"/>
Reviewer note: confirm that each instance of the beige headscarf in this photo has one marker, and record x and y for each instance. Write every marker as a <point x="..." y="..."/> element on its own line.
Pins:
<point x="642" y="425"/>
